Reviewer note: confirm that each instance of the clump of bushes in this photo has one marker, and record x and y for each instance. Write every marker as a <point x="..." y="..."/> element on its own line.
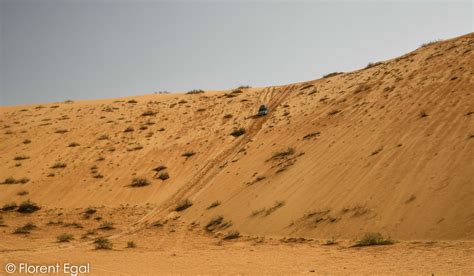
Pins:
<point x="25" y="229"/>
<point x="9" y="206"/>
<point x="11" y="180"/>
<point x="373" y="239"/>
<point x="132" y="101"/>
<point x="64" y="237"/>
<point x="106" y="226"/>
<point x="195" y="91"/>
<point x="163" y="176"/>
<point x="58" y="165"/>
<point x="21" y="157"/>
<point x="28" y="207"/>
<point x="214" y="204"/>
<point x="332" y="74"/>
<point x="238" y="132"/>
<point x="160" y="168"/>
<point x="183" y="205"/>
<point x="140" y="182"/>
<point x="129" y="129"/>
<point x="231" y="235"/>
<point x="188" y="154"/>
<point x="103" y="243"/>
<point x="73" y="144"/>
<point x="149" y="113"/>
<point x="26" y="141"/>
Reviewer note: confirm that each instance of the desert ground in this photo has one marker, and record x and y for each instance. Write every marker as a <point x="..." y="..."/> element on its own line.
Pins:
<point x="196" y="183"/>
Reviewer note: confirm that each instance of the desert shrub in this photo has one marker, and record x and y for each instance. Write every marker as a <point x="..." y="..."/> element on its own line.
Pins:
<point x="238" y="132"/>
<point x="231" y="235"/>
<point x="228" y="116"/>
<point x="25" y="229"/>
<point x="140" y="182"/>
<point x="26" y="141"/>
<point x="131" y="244"/>
<point x="129" y="129"/>
<point x="103" y="137"/>
<point x="333" y="112"/>
<point x="163" y="176"/>
<point x="11" y="180"/>
<point x="183" y="205"/>
<point x="61" y="131"/>
<point x="430" y="42"/>
<point x="106" y="226"/>
<point x="9" y="206"/>
<point x="214" y="204"/>
<point x="188" y="154"/>
<point x="22" y="193"/>
<point x="132" y="101"/>
<point x="51" y="174"/>
<point x="195" y="91"/>
<point x="214" y="223"/>
<point x="330" y="242"/>
<point x="372" y="64"/>
<point x="58" y="165"/>
<point x="21" y="157"/>
<point x="73" y="144"/>
<point x="28" y="207"/>
<point x="103" y="243"/>
<point x="149" y="113"/>
<point x="332" y="74"/>
<point x="160" y="168"/>
<point x="283" y="153"/>
<point x="423" y="114"/>
<point x="64" y="237"/>
<point x="373" y="239"/>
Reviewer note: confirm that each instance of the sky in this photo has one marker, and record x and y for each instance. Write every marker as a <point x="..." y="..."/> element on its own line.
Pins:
<point x="52" y="50"/>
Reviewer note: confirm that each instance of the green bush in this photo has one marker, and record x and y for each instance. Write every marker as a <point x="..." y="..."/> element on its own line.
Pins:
<point x="373" y="239"/>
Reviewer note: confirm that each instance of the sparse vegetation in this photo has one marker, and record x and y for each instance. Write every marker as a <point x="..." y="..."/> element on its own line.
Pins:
<point x="283" y="153"/>
<point x="238" y="132"/>
<point x="149" y="113"/>
<point x="231" y="235"/>
<point x="28" y="207"/>
<point x="195" y="91"/>
<point x="188" y="154"/>
<point x="26" y="141"/>
<point x="332" y="74"/>
<point x="183" y="205"/>
<point x="64" y="237"/>
<point x="21" y="157"/>
<point x="423" y="114"/>
<point x="103" y="243"/>
<point x="333" y="112"/>
<point x="370" y="239"/>
<point x="213" y="223"/>
<point x="58" y="165"/>
<point x="9" y="206"/>
<point x="139" y="182"/>
<point x="107" y="225"/>
<point x="228" y="116"/>
<point x="160" y="168"/>
<point x="103" y="137"/>
<point x="132" y="101"/>
<point x="163" y="176"/>
<point x="22" y="193"/>
<point x="430" y="42"/>
<point x="372" y="64"/>
<point x="73" y="144"/>
<point x="131" y="244"/>
<point x="214" y="204"/>
<point x="129" y="129"/>
<point x="61" y="131"/>
<point x="25" y="229"/>
<point x="11" y="180"/>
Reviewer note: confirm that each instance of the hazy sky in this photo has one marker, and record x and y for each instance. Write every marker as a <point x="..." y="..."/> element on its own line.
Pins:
<point x="53" y="50"/>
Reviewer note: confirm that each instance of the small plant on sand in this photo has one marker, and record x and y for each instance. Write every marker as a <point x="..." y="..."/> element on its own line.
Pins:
<point x="188" y="154"/>
<point x="22" y="193"/>
<point x="103" y="137"/>
<point x="9" y="207"/>
<point x="73" y="144"/>
<point x="64" y="237"/>
<point x="129" y="129"/>
<point x="11" y="180"/>
<point x="423" y="114"/>
<point x="231" y="235"/>
<point x="58" y="165"/>
<point x="131" y="244"/>
<point x="139" y="182"/>
<point x="332" y="74"/>
<point x="61" y="131"/>
<point x="373" y="239"/>
<point x="149" y="113"/>
<point x="21" y="157"/>
<point x="238" y="132"/>
<point x="132" y="101"/>
<point x="103" y="243"/>
<point x="106" y="226"/>
<point x="163" y="176"/>
<point x="25" y="229"/>
<point x="283" y="153"/>
<point x="330" y="242"/>
<point x="160" y="168"/>
<point x="195" y="91"/>
<point x="214" y="204"/>
<point x="26" y="141"/>
<point x="28" y="207"/>
<point x="183" y="205"/>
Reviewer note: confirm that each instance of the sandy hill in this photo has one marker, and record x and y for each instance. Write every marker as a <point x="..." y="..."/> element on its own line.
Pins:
<point x="388" y="148"/>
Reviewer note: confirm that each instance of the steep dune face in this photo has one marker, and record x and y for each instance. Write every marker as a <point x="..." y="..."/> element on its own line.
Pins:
<point x="387" y="148"/>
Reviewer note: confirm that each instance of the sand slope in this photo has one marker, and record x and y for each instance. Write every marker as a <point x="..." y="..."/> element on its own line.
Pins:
<point x="388" y="148"/>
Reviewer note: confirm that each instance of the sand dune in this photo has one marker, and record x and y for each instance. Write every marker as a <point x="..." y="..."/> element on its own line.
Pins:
<point x="388" y="149"/>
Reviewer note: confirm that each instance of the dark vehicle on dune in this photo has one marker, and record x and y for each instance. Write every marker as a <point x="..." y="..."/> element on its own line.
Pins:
<point x="263" y="110"/>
